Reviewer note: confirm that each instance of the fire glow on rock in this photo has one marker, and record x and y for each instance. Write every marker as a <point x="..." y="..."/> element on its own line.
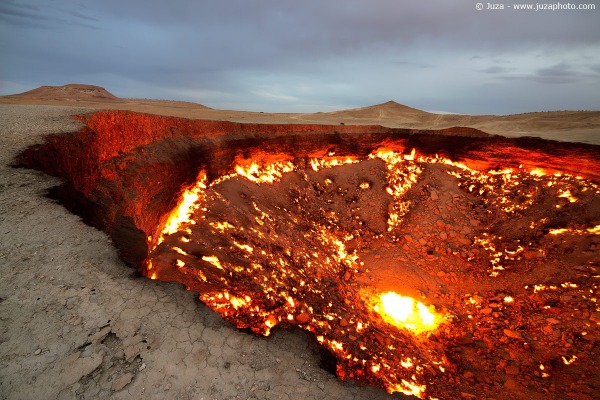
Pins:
<point x="282" y="243"/>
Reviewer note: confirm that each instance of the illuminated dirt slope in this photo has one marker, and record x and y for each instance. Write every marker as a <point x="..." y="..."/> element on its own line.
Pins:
<point x="492" y="242"/>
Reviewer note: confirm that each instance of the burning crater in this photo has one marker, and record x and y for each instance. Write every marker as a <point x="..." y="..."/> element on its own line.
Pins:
<point x="435" y="263"/>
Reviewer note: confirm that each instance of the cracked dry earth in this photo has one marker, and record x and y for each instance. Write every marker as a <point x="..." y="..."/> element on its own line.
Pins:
<point x="75" y="322"/>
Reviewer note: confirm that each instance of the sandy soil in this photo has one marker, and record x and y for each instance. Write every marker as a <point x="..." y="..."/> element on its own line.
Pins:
<point x="78" y="323"/>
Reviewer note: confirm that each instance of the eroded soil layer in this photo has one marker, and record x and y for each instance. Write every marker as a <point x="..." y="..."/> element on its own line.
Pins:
<point x="509" y="258"/>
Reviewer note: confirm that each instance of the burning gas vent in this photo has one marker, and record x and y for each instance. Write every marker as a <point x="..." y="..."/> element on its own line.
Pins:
<point x="438" y="264"/>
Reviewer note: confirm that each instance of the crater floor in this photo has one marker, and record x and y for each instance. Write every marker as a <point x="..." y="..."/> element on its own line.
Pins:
<point x="507" y="258"/>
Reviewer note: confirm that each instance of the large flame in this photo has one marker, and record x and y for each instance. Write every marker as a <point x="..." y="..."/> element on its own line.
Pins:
<point x="406" y="312"/>
<point x="182" y="212"/>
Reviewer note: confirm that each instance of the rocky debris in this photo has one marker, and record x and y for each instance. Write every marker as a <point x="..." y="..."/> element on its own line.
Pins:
<point x="512" y="334"/>
<point x="303" y="318"/>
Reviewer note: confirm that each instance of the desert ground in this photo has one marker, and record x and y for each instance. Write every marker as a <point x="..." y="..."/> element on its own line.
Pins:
<point x="571" y="126"/>
<point x="78" y="323"/>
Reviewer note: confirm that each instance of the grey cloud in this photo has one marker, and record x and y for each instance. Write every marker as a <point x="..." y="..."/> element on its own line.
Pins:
<point x="557" y="70"/>
<point x="560" y="73"/>
<point x="495" y="69"/>
<point x="555" y="79"/>
<point x="80" y="15"/>
<point x="413" y="64"/>
<point x="545" y="79"/>
<point x="12" y="9"/>
<point x="321" y="27"/>
<point x="23" y="15"/>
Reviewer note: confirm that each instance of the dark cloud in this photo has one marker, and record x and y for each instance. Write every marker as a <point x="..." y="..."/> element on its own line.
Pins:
<point x="11" y="9"/>
<point x="595" y="69"/>
<point x="327" y="24"/>
<point x="560" y="73"/>
<point x="561" y="69"/>
<point x="31" y="15"/>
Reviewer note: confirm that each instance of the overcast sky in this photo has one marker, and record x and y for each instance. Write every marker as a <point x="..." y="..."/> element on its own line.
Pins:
<point x="310" y="55"/>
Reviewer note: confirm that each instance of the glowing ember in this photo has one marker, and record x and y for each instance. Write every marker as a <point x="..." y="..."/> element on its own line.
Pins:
<point x="264" y="174"/>
<point x="569" y="361"/>
<point x="559" y="231"/>
<point x="405" y="312"/>
<point x="328" y="162"/>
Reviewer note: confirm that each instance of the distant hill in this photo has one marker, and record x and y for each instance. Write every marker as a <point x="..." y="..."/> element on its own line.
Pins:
<point x="68" y="92"/>
<point x="390" y="109"/>
<point x="96" y="97"/>
<point x="379" y="114"/>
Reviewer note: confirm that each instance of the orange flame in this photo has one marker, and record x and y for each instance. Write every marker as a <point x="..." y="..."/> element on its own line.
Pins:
<point x="268" y="173"/>
<point x="184" y="209"/>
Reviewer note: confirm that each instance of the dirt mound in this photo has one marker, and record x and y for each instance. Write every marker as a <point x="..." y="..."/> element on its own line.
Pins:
<point x="68" y="92"/>
<point x="390" y="109"/>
